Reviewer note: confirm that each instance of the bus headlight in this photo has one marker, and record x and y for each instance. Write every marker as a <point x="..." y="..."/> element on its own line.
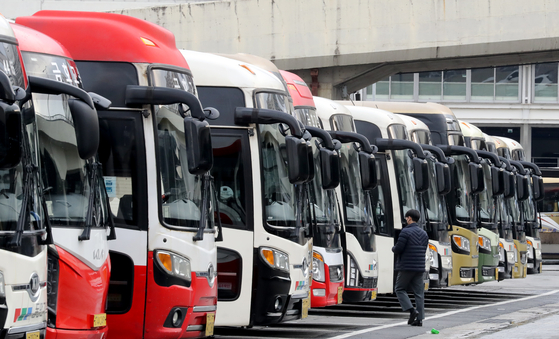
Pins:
<point x="484" y="244"/>
<point x="462" y="243"/>
<point x="174" y="264"/>
<point x="501" y="252"/>
<point x="511" y="257"/>
<point x="433" y="256"/>
<point x="276" y="259"/>
<point x="318" y="267"/>
<point x="530" y="250"/>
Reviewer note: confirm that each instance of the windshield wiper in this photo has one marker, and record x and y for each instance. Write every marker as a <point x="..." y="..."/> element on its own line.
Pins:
<point x="206" y="196"/>
<point x="23" y="219"/>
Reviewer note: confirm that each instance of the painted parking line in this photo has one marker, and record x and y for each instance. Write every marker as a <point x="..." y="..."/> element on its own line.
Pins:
<point x="372" y="329"/>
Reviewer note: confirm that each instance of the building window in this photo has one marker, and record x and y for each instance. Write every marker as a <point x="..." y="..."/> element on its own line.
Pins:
<point x="483" y="84"/>
<point x="382" y="89"/>
<point x="401" y="86"/>
<point x="454" y="85"/>
<point x="430" y="86"/>
<point x="506" y="86"/>
<point x="545" y="82"/>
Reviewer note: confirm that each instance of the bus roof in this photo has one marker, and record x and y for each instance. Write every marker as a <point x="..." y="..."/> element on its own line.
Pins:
<point x="298" y="89"/>
<point x="326" y="108"/>
<point x="378" y="117"/>
<point x="469" y="130"/>
<point x="93" y="36"/>
<point x="438" y="118"/>
<point x="31" y="40"/>
<point x="413" y="124"/>
<point x="511" y="143"/>
<point x="214" y="70"/>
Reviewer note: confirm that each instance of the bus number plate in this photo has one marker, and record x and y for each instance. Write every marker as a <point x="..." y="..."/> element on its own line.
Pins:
<point x="340" y="294"/>
<point x="100" y="320"/>
<point x="210" y="320"/>
<point x="476" y="275"/>
<point x="33" y="335"/>
<point x="373" y="295"/>
<point x="306" y="306"/>
<point x="496" y="273"/>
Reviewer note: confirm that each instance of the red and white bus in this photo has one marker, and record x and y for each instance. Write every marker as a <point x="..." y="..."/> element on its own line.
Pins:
<point x="75" y="196"/>
<point x="155" y="151"/>
<point x="328" y="259"/>
<point x="23" y="230"/>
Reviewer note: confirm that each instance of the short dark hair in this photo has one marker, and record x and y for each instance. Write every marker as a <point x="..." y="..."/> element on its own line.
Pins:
<point x="414" y="214"/>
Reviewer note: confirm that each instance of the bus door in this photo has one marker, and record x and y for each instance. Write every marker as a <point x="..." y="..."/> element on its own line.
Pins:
<point x="233" y="177"/>
<point x="121" y="151"/>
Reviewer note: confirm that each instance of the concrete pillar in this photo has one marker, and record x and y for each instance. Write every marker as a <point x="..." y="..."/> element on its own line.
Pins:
<point x="526" y="140"/>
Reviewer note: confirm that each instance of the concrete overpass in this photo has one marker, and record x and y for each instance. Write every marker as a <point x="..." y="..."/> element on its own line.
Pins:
<point x="340" y="46"/>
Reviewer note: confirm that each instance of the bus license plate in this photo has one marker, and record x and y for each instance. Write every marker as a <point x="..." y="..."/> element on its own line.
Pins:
<point x="33" y="335"/>
<point x="476" y="275"/>
<point x="449" y="278"/>
<point x="373" y="295"/>
<point x="100" y="320"/>
<point x="426" y="286"/>
<point x="496" y="273"/>
<point x="210" y="320"/>
<point x="306" y="306"/>
<point x="340" y="294"/>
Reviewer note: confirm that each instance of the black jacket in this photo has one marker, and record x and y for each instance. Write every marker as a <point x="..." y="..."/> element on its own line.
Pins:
<point x="410" y="249"/>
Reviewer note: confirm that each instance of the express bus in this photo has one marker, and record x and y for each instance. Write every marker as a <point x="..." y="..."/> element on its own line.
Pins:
<point x="23" y="230"/>
<point x="434" y="204"/>
<point x="358" y="180"/>
<point x="155" y="152"/>
<point x="74" y="192"/>
<point x="532" y="220"/>
<point x="328" y="260"/>
<point x="261" y="166"/>
<point x="487" y="202"/>
<point x="467" y="181"/>
<point x="403" y="169"/>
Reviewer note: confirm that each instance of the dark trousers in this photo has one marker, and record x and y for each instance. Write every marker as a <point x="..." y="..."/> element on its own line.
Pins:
<point x="414" y="281"/>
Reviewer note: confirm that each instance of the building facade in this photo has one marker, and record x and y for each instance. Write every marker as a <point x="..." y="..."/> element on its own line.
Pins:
<point x="520" y="102"/>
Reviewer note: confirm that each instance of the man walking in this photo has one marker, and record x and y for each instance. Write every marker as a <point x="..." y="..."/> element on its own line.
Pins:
<point x="410" y="250"/>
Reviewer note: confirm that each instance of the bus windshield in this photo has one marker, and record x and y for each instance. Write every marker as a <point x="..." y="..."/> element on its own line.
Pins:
<point x="421" y="137"/>
<point x="324" y="207"/>
<point x="181" y="191"/>
<point x="407" y="195"/>
<point x="464" y="208"/>
<point x="505" y="220"/>
<point x="284" y="205"/>
<point x="15" y="182"/>
<point x="67" y="178"/>
<point x="487" y="212"/>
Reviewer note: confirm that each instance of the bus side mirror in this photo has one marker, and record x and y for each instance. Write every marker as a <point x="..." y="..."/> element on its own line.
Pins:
<point x="298" y="160"/>
<point x="476" y="177"/>
<point x="86" y="124"/>
<point x="10" y="135"/>
<point x="421" y="175"/>
<point x="509" y="183"/>
<point x="330" y="168"/>
<point x="538" y="188"/>
<point x="522" y="190"/>
<point x="368" y="168"/>
<point x="442" y="171"/>
<point x="497" y="180"/>
<point x="6" y="90"/>
<point x="198" y="140"/>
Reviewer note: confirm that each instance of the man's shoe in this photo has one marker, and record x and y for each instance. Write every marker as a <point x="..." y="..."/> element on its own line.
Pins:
<point x="417" y="323"/>
<point x="413" y="316"/>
